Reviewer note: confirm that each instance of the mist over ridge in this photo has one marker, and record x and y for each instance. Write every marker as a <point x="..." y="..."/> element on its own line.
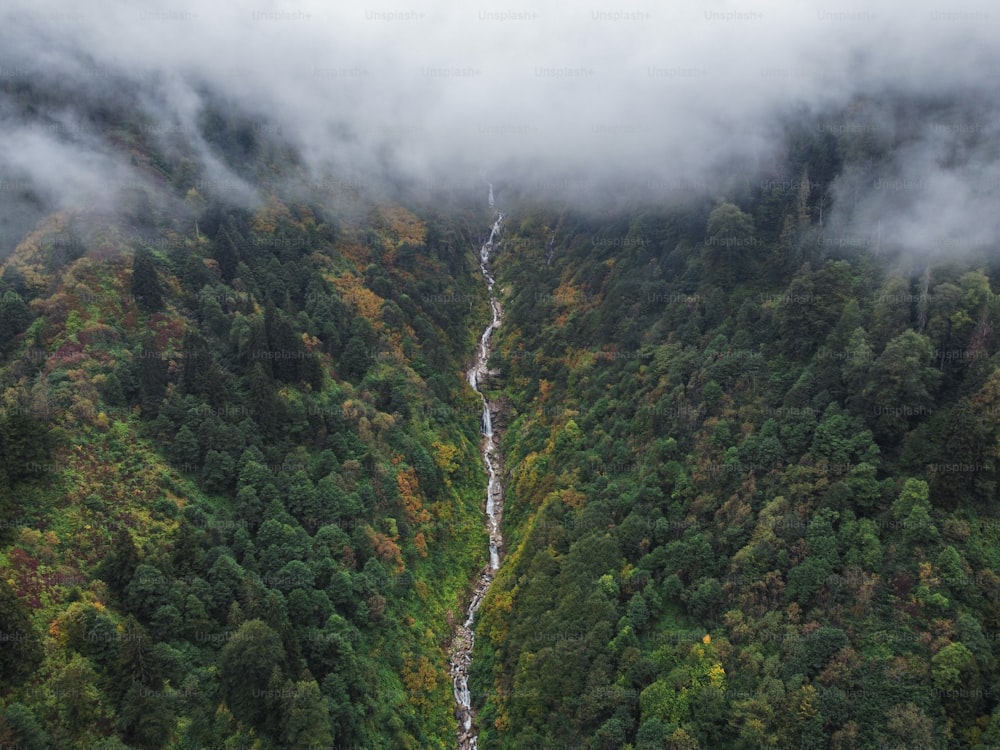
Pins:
<point x="598" y="104"/>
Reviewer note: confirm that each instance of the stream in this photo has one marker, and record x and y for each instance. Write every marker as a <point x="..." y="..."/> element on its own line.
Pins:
<point x="464" y="639"/>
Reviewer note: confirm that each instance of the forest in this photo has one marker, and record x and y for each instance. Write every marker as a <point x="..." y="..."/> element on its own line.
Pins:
<point x="240" y="488"/>
<point x="750" y="466"/>
<point x="752" y="480"/>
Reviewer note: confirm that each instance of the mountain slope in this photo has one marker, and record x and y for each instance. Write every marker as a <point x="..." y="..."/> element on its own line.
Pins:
<point x="752" y="480"/>
<point x="749" y="440"/>
<point x="242" y="483"/>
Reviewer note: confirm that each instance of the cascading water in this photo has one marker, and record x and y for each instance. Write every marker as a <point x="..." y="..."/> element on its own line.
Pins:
<point x="461" y="647"/>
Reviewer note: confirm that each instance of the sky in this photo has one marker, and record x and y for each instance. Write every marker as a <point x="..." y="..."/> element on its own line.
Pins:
<point x="563" y="96"/>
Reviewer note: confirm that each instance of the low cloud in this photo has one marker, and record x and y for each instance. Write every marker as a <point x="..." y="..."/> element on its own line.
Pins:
<point x="573" y="100"/>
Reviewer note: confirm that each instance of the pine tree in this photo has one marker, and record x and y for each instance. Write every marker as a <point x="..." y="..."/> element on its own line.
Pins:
<point x="262" y="399"/>
<point x="22" y="648"/>
<point x="145" y="285"/>
<point x="25" y="730"/>
<point x="245" y="670"/>
<point x="119" y="566"/>
<point x="152" y="377"/>
<point x="226" y="254"/>
<point x="14" y="319"/>
<point x="185" y="452"/>
<point x="306" y="720"/>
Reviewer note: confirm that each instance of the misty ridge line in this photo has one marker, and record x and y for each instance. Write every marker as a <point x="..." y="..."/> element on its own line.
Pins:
<point x="595" y="116"/>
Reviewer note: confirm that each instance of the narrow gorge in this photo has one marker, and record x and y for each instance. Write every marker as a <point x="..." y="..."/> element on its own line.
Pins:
<point x="461" y="648"/>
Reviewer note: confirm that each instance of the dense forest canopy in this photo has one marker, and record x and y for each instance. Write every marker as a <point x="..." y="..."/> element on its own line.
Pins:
<point x="749" y="433"/>
<point x="752" y="477"/>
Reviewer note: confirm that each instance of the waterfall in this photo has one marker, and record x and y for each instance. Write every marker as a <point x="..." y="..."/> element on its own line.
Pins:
<point x="461" y="648"/>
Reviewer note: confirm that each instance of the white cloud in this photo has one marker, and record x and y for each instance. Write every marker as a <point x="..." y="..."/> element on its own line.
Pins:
<point x="648" y="92"/>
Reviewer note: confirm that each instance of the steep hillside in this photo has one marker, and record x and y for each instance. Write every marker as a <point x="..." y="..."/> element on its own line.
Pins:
<point x="752" y="477"/>
<point x="241" y="484"/>
<point x="747" y="435"/>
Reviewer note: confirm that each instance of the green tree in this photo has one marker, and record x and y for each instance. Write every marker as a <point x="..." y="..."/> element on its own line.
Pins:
<point x="147" y="591"/>
<point x="226" y="579"/>
<point x="902" y="385"/>
<point x="119" y="565"/>
<point x="194" y="275"/>
<point x="145" y="284"/>
<point x="302" y="499"/>
<point x="730" y="244"/>
<point x="218" y="475"/>
<point x="811" y="307"/>
<point x="152" y="372"/>
<point x="25" y="444"/>
<point x="74" y="703"/>
<point x="949" y="664"/>
<point x="842" y="441"/>
<point x="25" y="730"/>
<point x="15" y="315"/>
<point x="912" y="510"/>
<point x="651" y="735"/>
<point x="703" y="599"/>
<point x="948" y="566"/>
<point x="225" y="254"/>
<point x="200" y="374"/>
<point x="185" y="451"/>
<point x="306" y="720"/>
<point x="262" y="399"/>
<point x="945" y="301"/>
<point x="245" y="668"/>
<point x="856" y="367"/>
<point x="893" y="311"/>
<point x="144" y="716"/>
<point x="638" y="612"/>
<point x="357" y="355"/>
<point x="22" y="650"/>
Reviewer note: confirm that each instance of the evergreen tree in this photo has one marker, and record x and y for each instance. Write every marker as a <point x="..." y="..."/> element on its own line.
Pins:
<point x="14" y="319"/>
<point x="245" y="670"/>
<point x="25" y="444"/>
<point x="306" y="720"/>
<point x="22" y="650"/>
<point x="152" y="372"/>
<point x="185" y="452"/>
<point x="119" y="566"/>
<point x="25" y="730"/>
<point x="226" y="254"/>
<point x="145" y="284"/>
